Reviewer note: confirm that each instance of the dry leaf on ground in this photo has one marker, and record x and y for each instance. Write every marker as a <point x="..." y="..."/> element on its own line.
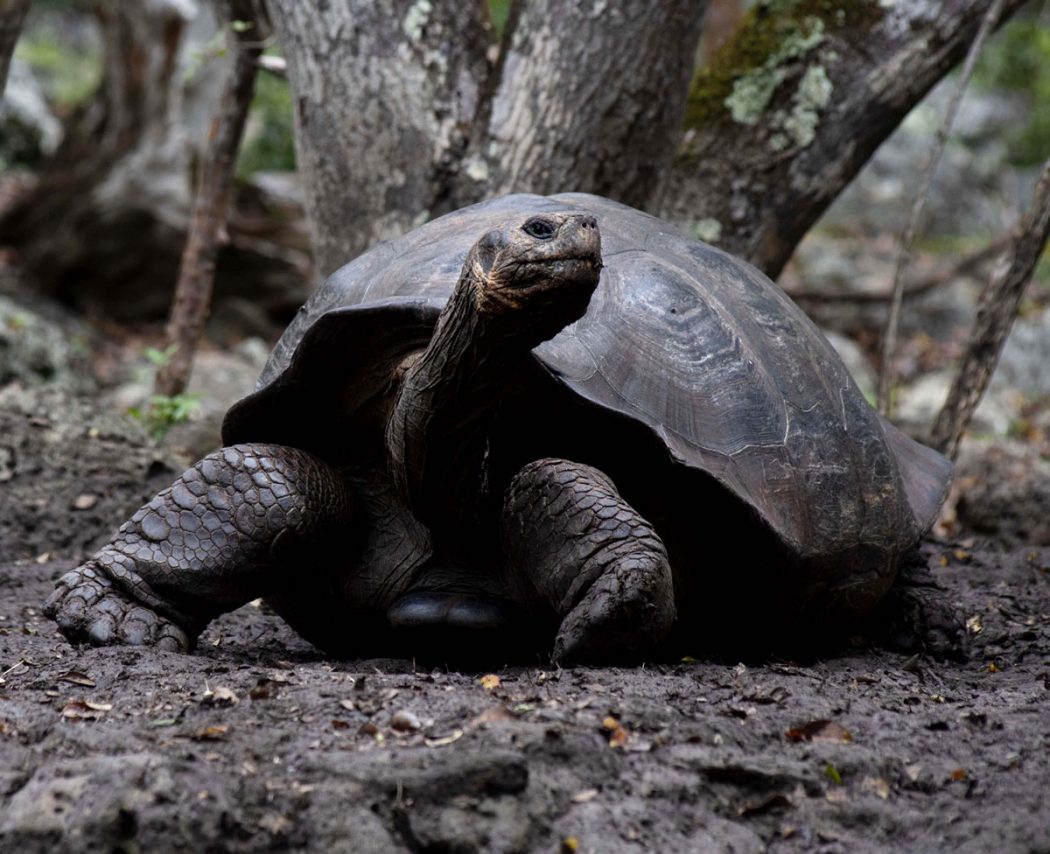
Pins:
<point x="822" y="730"/>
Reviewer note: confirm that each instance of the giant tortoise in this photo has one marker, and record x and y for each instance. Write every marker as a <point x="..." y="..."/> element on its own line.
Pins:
<point x="503" y="425"/>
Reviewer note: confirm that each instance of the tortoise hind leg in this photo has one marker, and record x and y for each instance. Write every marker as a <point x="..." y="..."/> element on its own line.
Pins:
<point x="917" y="615"/>
<point x="575" y="547"/>
<point x="212" y="541"/>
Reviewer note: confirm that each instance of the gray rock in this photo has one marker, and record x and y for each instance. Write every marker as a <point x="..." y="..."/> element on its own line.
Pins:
<point x="281" y="190"/>
<point x="1024" y="361"/>
<point x="971" y="182"/>
<point x="827" y="263"/>
<point x="853" y="249"/>
<point x="29" y="130"/>
<point x="111" y="803"/>
<point x="219" y="379"/>
<point x="1005" y="493"/>
<point x="918" y="405"/>
<point x="36" y="349"/>
<point x="1020" y="377"/>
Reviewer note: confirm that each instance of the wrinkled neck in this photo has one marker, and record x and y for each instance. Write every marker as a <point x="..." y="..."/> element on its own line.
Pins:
<point x="437" y="433"/>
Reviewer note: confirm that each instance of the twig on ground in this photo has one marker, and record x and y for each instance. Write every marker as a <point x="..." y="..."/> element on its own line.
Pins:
<point x="192" y="299"/>
<point x="889" y="338"/>
<point x="996" y="312"/>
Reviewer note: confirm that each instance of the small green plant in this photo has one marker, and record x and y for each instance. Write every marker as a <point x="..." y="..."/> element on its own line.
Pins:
<point x="162" y="412"/>
<point x="160" y="358"/>
<point x="16" y="322"/>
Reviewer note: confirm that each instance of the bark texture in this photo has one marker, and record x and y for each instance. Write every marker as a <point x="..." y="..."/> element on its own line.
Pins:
<point x="193" y="291"/>
<point x="789" y="110"/>
<point x="12" y="15"/>
<point x="995" y="316"/>
<point x="589" y="96"/>
<point x="385" y="94"/>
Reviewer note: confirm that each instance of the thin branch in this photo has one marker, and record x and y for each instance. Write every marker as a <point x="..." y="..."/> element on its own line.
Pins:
<point x="192" y="299"/>
<point x="996" y="312"/>
<point x="968" y="265"/>
<point x="889" y="338"/>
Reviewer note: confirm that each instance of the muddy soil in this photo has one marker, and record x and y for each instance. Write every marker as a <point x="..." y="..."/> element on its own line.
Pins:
<point x="70" y="472"/>
<point x="258" y="742"/>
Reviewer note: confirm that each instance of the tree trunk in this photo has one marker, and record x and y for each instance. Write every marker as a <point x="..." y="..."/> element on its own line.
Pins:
<point x="106" y="224"/>
<point x="397" y="120"/>
<point x="588" y="96"/>
<point x="192" y="299"/>
<point x="12" y="15"/>
<point x="788" y="111"/>
<point x="385" y="94"/>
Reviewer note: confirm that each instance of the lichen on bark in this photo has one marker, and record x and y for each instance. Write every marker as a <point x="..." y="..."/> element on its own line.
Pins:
<point x="798" y="126"/>
<point x="741" y="79"/>
<point x="753" y="89"/>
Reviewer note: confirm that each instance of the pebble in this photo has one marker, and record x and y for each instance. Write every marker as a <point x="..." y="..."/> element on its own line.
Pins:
<point x="405" y="721"/>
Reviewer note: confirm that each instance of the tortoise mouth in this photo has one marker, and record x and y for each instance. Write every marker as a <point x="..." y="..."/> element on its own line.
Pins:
<point x="584" y="260"/>
<point x="583" y="269"/>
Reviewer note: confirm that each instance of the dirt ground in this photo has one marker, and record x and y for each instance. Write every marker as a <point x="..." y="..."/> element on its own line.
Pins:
<point x="257" y="742"/>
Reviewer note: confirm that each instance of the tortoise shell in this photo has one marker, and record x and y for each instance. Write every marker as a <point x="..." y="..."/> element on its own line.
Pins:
<point x="700" y="361"/>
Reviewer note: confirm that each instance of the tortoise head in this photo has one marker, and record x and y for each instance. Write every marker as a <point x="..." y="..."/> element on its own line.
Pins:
<point x="539" y="274"/>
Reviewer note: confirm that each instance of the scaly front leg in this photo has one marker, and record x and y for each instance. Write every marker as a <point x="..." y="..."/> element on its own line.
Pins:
<point x="574" y="547"/>
<point x="215" y="539"/>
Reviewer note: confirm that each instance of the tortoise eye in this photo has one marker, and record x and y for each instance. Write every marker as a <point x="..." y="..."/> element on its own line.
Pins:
<point x="540" y="228"/>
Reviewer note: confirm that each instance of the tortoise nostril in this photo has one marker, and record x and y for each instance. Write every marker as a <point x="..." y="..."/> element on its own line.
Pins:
<point x="589" y="222"/>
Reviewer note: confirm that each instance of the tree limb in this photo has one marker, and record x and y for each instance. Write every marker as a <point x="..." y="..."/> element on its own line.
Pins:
<point x="788" y="111"/>
<point x="996" y="312"/>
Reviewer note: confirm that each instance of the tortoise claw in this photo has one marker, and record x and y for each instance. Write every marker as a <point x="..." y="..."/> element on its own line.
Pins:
<point x="89" y="608"/>
<point x="623" y="613"/>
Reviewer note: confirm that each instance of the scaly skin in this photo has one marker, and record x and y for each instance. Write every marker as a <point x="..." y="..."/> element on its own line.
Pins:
<point x="218" y="537"/>
<point x="576" y="548"/>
